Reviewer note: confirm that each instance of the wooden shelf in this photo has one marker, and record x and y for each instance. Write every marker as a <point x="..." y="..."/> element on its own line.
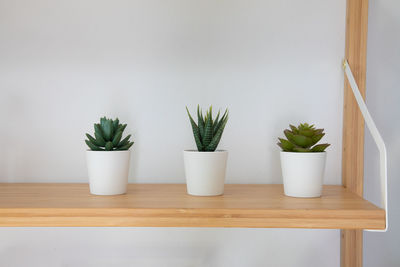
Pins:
<point x="168" y="205"/>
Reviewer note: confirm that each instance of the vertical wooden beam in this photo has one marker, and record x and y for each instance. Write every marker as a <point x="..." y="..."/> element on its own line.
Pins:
<point x="353" y="123"/>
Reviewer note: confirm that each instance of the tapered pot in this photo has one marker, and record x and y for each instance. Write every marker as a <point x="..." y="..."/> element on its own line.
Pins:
<point x="205" y="172"/>
<point x="108" y="171"/>
<point x="303" y="173"/>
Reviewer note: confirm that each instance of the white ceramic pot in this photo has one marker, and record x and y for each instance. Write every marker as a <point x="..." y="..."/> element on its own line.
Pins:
<point x="303" y="173"/>
<point x="108" y="171"/>
<point x="205" y="172"/>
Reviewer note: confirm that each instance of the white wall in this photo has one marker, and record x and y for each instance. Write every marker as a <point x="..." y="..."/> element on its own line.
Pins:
<point x="63" y="64"/>
<point x="383" y="98"/>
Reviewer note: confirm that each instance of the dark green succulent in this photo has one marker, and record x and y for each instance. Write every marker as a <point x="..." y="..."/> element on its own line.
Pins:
<point x="207" y="132"/>
<point x="302" y="139"/>
<point x="108" y="135"/>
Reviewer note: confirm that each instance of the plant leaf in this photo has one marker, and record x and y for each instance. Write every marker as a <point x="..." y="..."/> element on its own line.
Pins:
<point x="320" y="148"/>
<point x="108" y="130"/>
<point x="307" y="133"/>
<point x="289" y="135"/>
<point x="121" y="127"/>
<point x="294" y="129"/>
<point x="285" y="145"/>
<point x="301" y="149"/>
<point x="102" y="121"/>
<point x="216" y="121"/>
<point x="98" y="133"/>
<point x="125" y="141"/>
<point x="92" y="140"/>
<point x="200" y="122"/>
<point x="302" y="141"/>
<point x="217" y="137"/>
<point x="109" y="146"/>
<point x="316" y="138"/>
<point x="116" y="124"/>
<point x="216" y="128"/>
<point x="117" y="138"/>
<point x="208" y="131"/>
<point x="196" y="132"/>
<point x="92" y="146"/>
<point x="126" y="147"/>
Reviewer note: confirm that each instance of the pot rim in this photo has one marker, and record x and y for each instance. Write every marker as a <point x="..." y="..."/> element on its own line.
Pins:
<point x="205" y="152"/>
<point x="103" y="151"/>
<point x="303" y="153"/>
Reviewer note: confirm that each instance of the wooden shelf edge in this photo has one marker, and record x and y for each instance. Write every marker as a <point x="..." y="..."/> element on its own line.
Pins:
<point x="168" y="205"/>
<point x="177" y="223"/>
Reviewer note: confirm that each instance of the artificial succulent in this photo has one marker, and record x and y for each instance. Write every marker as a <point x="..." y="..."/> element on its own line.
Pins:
<point x="108" y="136"/>
<point x="303" y="138"/>
<point x="208" y="131"/>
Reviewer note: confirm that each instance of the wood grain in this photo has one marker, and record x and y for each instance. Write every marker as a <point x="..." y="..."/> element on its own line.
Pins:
<point x="168" y="205"/>
<point x="353" y="122"/>
<point x="350" y="250"/>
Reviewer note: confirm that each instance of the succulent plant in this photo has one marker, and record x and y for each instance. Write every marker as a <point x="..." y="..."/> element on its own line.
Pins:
<point x="207" y="132"/>
<point x="108" y="135"/>
<point x="302" y="138"/>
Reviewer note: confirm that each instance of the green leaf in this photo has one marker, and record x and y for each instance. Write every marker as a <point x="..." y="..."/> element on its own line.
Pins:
<point x="92" y="140"/>
<point x="217" y="137"/>
<point x="121" y="127"/>
<point x="108" y="130"/>
<point x="304" y="126"/>
<point x="125" y="141"/>
<point x="98" y="133"/>
<point x="294" y="129"/>
<point x="224" y="117"/>
<point x="302" y="141"/>
<point x="208" y="131"/>
<point x="301" y="149"/>
<point x="216" y="121"/>
<point x="200" y="122"/>
<point x="92" y="146"/>
<point x="316" y="138"/>
<point x="109" y="146"/>
<point x="116" y="124"/>
<point x="117" y="138"/>
<point x="303" y="137"/>
<point x="318" y="131"/>
<point x="285" y="145"/>
<point x="214" y="142"/>
<point x="196" y="132"/>
<point x="320" y="148"/>
<point x="289" y="135"/>
<point x="125" y="147"/>
<point x="210" y="114"/>
<point x="102" y="121"/>
<point x="307" y="133"/>
<point x="283" y="148"/>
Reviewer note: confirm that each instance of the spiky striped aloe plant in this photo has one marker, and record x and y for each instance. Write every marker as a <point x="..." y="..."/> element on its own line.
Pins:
<point x="108" y="135"/>
<point x="207" y="132"/>
<point x="303" y="138"/>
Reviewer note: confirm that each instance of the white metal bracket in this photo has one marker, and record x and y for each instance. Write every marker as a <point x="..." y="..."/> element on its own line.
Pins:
<point x="377" y="138"/>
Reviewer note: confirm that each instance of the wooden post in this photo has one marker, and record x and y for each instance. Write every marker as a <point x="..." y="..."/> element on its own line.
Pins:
<point x="353" y="123"/>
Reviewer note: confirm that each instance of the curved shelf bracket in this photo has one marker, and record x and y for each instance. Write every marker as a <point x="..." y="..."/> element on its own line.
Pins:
<point x="377" y="138"/>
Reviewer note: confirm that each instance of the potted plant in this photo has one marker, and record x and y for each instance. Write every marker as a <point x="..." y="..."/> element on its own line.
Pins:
<point x="302" y="161"/>
<point x="108" y="158"/>
<point x="205" y="167"/>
